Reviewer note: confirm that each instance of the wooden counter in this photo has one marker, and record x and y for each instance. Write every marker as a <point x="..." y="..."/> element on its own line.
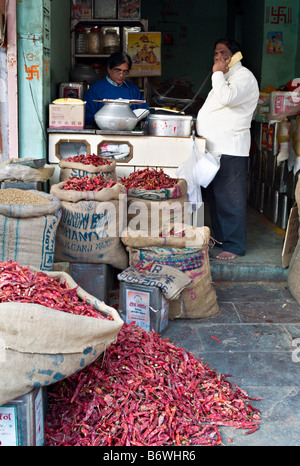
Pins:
<point x="145" y="151"/>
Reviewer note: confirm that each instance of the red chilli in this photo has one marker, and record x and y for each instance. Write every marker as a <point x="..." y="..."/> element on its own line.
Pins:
<point x="149" y="179"/>
<point x="90" y="159"/>
<point x="86" y="183"/>
<point x="145" y="391"/>
<point x="21" y="285"/>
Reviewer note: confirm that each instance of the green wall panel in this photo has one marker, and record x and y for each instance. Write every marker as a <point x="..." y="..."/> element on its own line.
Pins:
<point x="33" y="26"/>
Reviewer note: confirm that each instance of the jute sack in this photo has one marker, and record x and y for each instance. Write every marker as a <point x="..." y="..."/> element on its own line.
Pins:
<point x="106" y="194"/>
<point x="28" y="231"/>
<point x="10" y="170"/>
<point x="177" y="191"/>
<point x="151" y="216"/>
<point x="171" y="281"/>
<point x="197" y="300"/>
<point x="40" y="346"/>
<point x="75" y="169"/>
<point x="90" y="226"/>
<point x="294" y="267"/>
<point x="177" y="235"/>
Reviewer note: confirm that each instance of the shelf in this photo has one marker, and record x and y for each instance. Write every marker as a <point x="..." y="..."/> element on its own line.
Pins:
<point x="92" y="55"/>
<point x="105" y="22"/>
<point x="121" y="24"/>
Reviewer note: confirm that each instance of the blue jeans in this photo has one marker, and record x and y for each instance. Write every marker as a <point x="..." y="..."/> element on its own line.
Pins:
<point x="227" y="199"/>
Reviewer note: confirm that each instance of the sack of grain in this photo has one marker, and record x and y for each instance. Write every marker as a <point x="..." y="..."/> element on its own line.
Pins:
<point x="28" y="226"/>
<point x="40" y="346"/>
<point x="294" y="267"/>
<point x="17" y="170"/>
<point x="198" y="300"/>
<point x="70" y="168"/>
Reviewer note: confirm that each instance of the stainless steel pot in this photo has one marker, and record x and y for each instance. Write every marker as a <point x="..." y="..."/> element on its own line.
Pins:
<point x="175" y="125"/>
<point x="116" y="115"/>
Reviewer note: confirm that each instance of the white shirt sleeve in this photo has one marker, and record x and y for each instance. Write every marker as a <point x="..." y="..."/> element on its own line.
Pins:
<point x="233" y="91"/>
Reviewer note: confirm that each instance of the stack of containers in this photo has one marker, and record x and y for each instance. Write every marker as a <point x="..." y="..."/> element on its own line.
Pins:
<point x="271" y="179"/>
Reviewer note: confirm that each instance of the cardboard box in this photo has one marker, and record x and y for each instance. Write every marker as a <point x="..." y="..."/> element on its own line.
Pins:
<point x="282" y="101"/>
<point x="66" y="116"/>
<point x="291" y="237"/>
<point x="129" y="9"/>
<point x="82" y="9"/>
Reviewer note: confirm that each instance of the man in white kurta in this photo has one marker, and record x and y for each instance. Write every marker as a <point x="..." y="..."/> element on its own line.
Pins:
<point x="224" y="121"/>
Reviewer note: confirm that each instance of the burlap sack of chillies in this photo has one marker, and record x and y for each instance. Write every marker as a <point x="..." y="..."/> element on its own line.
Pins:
<point x="89" y="165"/>
<point x="41" y="344"/>
<point x="84" y="189"/>
<point x="198" y="300"/>
<point x="153" y="184"/>
<point x="151" y="216"/>
<point x="28" y="226"/>
<point x="179" y="190"/>
<point x="89" y="230"/>
<point x="153" y="199"/>
<point x="294" y="267"/>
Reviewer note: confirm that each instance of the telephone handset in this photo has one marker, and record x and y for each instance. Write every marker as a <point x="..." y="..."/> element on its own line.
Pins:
<point x="235" y="58"/>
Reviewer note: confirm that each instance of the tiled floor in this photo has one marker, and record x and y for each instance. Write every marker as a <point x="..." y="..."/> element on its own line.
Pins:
<point x="252" y="339"/>
<point x="255" y="337"/>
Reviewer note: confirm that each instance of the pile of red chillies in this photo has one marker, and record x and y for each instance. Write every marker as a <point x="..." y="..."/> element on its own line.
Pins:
<point x="90" y="159"/>
<point x="145" y="391"/>
<point x="20" y="284"/>
<point x="149" y="179"/>
<point x="87" y="183"/>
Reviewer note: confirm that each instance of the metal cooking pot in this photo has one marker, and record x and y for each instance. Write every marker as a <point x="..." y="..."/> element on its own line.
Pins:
<point x="173" y="124"/>
<point x="116" y="115"/>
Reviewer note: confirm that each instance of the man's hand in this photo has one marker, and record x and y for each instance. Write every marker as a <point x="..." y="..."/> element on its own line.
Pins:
<point x="221" y="64"/>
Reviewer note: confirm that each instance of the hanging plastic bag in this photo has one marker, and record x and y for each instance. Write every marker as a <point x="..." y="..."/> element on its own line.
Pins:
<point x="207" y="167"/>
<point x="198" y="170"/>
<point x="187" y="171"/>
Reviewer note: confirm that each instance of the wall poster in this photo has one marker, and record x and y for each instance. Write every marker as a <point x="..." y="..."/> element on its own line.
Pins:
<point x="275" y="42"/>
<point x="144" y="49"/>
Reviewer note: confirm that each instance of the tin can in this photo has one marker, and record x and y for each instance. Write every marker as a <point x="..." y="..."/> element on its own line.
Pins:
<point x="95" y="279"/>
<point x="144" y="305"/>
<point x="22" y="420"/>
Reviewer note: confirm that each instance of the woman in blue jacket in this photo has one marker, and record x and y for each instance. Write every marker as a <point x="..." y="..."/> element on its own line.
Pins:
<point x="113" y="86"/>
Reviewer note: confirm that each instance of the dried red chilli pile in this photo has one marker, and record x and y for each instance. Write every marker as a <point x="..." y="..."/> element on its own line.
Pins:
<point x="86" y="183"/>
<point x="20" y="284"/>
<point x="145" y="391"/>
<point x="90" y="159"/>
<point x="149" y="179"/>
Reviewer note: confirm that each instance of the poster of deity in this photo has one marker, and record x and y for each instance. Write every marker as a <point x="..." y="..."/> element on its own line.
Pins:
<point x="144" y="49"/>
<point x="275" y="42"/>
